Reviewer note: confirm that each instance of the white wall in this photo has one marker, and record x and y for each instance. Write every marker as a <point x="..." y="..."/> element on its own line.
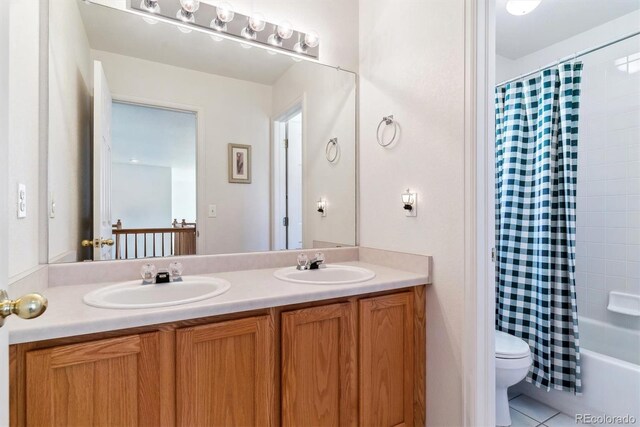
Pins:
<point x="70" y="91"/>
<point x="147" y="204"/>
<point x="412" y="66"/>
<point x="23" y="156"/>
<point x="232" y="111"/>
<point x="183" y="194"/>
<point x="328" y="112"/>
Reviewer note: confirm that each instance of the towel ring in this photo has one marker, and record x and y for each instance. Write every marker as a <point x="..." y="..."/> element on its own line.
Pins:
<point x="333" y="143"/>
<point x="387" y="120"/>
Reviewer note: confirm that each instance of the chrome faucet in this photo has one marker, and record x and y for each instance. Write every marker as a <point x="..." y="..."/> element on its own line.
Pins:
<point x="150" y="276"/>
<point x="315" y="263"/>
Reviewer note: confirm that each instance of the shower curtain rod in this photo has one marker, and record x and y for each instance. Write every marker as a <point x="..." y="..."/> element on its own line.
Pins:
<point x="570" y="58"/>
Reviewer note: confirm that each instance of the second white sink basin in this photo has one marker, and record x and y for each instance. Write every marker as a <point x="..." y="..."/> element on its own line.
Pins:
<point x="134" y="294"/>
<point x="331" y="275"/>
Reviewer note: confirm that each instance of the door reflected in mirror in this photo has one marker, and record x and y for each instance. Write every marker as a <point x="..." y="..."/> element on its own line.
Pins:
<point x="165" y="143"/>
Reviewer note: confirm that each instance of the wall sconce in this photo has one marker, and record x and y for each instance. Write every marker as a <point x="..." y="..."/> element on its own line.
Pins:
<point x="322" y="206"/>
<point x="410" y="203"/>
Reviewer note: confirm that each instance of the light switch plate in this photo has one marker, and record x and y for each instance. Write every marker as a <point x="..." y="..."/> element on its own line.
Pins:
<point x="213" y="211"/>
<point x="22" y="201"/>
<point x="52" y="205"/>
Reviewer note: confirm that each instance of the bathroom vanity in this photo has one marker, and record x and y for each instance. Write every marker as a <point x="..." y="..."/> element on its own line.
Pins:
<point x="270" y="353"/>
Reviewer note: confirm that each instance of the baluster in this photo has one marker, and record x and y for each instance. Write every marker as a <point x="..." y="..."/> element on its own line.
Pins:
<point x="154" y="245"/>
<point x="126" y="245"/>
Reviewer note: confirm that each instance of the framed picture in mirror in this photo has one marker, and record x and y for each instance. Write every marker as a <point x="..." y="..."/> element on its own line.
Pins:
<point x="239" y="164"/>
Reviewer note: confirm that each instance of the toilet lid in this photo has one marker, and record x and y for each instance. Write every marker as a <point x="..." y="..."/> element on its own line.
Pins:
<point x="510" y="346"/>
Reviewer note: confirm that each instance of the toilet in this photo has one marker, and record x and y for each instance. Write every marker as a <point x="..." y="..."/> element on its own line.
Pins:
<point x="513" y="359"/>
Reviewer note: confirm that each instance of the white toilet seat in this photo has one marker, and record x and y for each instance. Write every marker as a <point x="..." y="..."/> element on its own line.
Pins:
<point x="511" y="347"/>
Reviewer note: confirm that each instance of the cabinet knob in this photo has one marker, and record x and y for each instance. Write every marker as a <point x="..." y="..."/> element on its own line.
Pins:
<point x="27" y="306"/>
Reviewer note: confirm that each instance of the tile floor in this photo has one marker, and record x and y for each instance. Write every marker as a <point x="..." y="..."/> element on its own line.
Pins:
<point x="527" y="412"/>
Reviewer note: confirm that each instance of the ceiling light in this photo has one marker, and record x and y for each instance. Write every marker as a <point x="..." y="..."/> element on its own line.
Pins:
<point x="257" y="22"/>
<point x="284" y="30"/>
<point x="522" y="7"/>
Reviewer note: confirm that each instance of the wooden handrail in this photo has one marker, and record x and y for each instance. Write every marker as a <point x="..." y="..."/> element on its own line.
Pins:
<point x="181" y="240"/>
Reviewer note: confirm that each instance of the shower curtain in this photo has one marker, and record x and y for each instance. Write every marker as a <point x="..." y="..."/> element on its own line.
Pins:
<point x="536" y="170"/>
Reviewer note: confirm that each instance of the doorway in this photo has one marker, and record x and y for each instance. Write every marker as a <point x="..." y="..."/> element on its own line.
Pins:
<point x="288" y="180"/>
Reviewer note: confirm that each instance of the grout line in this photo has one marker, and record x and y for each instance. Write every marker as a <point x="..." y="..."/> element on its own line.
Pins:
<point x="554" y="415"/>
<point x="531" y="418"/>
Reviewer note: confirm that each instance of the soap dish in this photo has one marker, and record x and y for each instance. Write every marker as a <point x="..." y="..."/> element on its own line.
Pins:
<point x="622" y="303"/>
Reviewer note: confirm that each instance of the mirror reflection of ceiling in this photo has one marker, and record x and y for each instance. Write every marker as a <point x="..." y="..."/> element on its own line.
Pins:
<point x="153" y="136"/>
<point x="551" y="22"/>
<point x="128" y="34"/>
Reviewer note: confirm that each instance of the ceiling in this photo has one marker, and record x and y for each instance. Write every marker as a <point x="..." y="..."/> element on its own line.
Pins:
<point x="153" y="136"/>
<point x="124" y="33"/>
<point x="552" y="22"/>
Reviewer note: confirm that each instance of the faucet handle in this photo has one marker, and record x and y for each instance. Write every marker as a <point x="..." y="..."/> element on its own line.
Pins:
<point x="148" y="272"/>
<point x="319" y="257"/>
<point x="175" y="270"/>
<point x="303" y="260"/>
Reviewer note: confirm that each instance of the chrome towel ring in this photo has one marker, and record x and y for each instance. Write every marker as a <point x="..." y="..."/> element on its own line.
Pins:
<point x="332" y="150"/>
<point x="387" y="120"/>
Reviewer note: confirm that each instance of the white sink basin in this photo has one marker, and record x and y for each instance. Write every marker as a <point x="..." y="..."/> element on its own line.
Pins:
<point x="331" y="275"/>
<point x="134" y="294"/>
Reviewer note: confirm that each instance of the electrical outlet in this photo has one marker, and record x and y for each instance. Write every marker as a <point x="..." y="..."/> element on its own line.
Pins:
<point x="22" y="201"/>
<point x="213" y="211"/>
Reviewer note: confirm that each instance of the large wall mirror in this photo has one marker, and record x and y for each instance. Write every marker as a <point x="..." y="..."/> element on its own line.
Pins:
<point x="170" y="142"/>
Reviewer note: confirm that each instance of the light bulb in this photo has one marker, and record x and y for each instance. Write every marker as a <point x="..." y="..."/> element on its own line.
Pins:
<point x="185" y="16"/>
<point x="218" y="25"/>
<point x="257" y="22"/>
<point x="284" y="30"/>
<point x="190" y="5"/>
<point x="311" y="39"/>
<point x="248" y="33"/>
<point x="224" y="12"/>
<point x="522" y="7"/>
<point x="150" y="6"/>
<point x="274" y="40"/>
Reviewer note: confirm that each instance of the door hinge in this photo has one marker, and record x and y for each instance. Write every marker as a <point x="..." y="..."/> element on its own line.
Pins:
<point x="493" y="254"/>
<point x="286" y="143"/>
<point x="285" y="221"/>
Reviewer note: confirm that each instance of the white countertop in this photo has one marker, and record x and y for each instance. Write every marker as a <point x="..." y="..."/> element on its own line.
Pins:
<point x="67" y="315"/>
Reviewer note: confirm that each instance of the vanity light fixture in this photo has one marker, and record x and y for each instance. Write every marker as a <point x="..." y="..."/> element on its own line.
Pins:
<point x="224" y="15"/>
<point x="221" y="22"/>
<point x="150" y="6"/>
<point x="522" y="7"/>
<point x="410" y="203"/>
<point x="322" y="206"/>
<point x="310" y="40"/>
<point x="255" y="24"/>
<point x="282" y="31"/>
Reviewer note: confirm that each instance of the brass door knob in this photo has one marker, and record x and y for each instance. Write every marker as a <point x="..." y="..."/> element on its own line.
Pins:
<point x="86" y="243"/>
<point x="108" y="242"/>
<point x="27" y="306"/>
<point x="98" y="243"/>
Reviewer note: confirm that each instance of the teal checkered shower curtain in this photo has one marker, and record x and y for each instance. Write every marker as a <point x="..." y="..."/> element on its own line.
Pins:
<point x="536" y="171"/>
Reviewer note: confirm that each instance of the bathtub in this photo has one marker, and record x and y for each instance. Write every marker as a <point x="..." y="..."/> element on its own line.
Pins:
<point x="610" y="374"/>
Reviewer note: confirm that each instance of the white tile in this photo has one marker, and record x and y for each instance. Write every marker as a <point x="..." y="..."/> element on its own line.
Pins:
<point x="561" y="420"/>
<point x="596" y="219"/>
<point x="633" y="203"/>
<point x="595" y="250"/>
<point x="616" y="219"/>
<point x="532" y="408"/>
<point x="595" y="281"/>
<point x="616" y="203"/>
<point x="616" y="252"/>
<point x="596" y="266"/>
<point x="596" y="188"/>
<point x="596" y="203"/>
<point x="633" y="186"/>
<point x="633" y="270"/>
<point x="633" y="253"/>
<point x="616" y="283"/>
<point x="597" y="297"/>
<point x="633" y="169"/>
<point x="616" y="235"/>
<point x="581" y="278"/>
<point x="595" y="234"/>
<point x="616" y="170"/>
<point x="633" y="237"/>
<point x="616" y="187"/>
<point x="617" y="267"/>
<point x="518" y="419"/>
<point x="633" y="219"/>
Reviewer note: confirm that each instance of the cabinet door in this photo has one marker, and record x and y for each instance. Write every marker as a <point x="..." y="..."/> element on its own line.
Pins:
<point x="319" y="372"/>
<point x="225" y="373"/>
<point x="386" y="360"/>
<point x="111" y="382"/>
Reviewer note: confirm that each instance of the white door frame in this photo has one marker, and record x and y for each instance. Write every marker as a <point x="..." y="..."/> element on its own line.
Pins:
<point x="201" y="179"/>
<point x="479" y="350"/>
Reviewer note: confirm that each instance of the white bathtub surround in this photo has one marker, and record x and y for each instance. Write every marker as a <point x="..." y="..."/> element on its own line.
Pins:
<point x="67" y="315"/>
<point x="628" y="304"/>
<point x="610" y="383"/>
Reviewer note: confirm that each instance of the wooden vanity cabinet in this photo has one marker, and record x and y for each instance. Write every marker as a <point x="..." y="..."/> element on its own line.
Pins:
<point x="111" y="382"/>
<point x="345" y="362"/>
<point x="225" y="373"/>
<point x="319" y="366"/>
